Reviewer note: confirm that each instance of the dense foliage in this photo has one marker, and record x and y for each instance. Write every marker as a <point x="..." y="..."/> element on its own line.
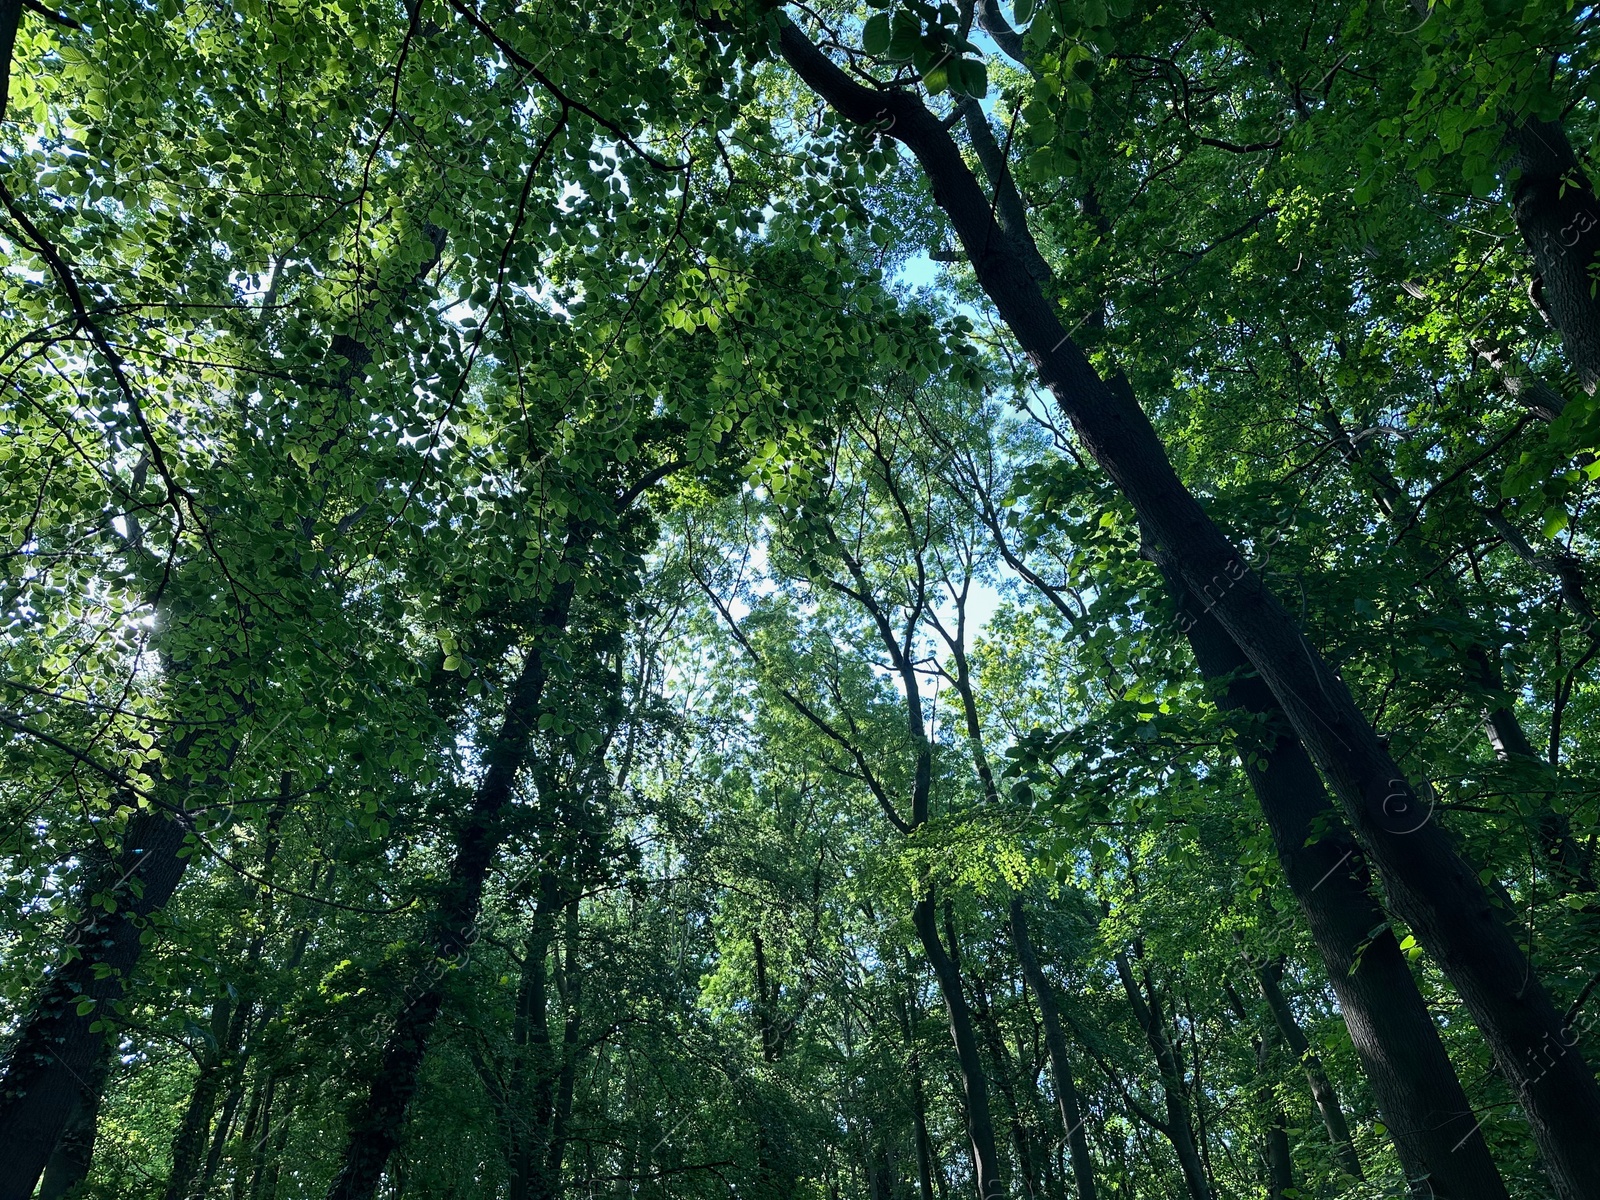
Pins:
<point x="699" y="598"/>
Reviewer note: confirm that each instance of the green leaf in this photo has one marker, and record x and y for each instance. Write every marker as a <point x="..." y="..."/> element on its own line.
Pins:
<point x="970" y="77"/>
<point x="875" y="34"/>
<point x="906" y="37"/>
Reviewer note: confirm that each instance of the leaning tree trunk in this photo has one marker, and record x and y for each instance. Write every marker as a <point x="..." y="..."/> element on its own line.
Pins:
<point x="375" y="1130"/>
<point x="1424" y="1106"/>
<point x="1452" y="913"/>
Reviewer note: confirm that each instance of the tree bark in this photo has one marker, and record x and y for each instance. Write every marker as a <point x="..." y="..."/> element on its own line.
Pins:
<point x="1451" y="912"/>
<point x="228" y="1021"/>
<point x="74" y="1152"/>
<point x="1559" y="218"/>
<point x="1428" y="1115"/>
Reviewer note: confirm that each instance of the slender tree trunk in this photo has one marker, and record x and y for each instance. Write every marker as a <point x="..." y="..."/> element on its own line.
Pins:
<point x="375" y="1130"/>
<point x="228" y="1020"/>
<point x="1055" y="1040"/>
<point x="1179" y="1127"/>
<point x="192" y="1136"/>
<point x="571" y="993"/>
<point x="528" y="1099"/>
<point x="1276" y="1159"/>
<point x="1003" y="1070"/>
<point x="224" y="1129"/>
<point x="254" y="1114"/>
<point x="1032" y="973"/>
<point x="1323" y="1094"/>
<point x="1280" y="1162"/>
<point x="1451" y="912"/>
<point x="919" y="1102"/>
<point x="1480" y="671"/>
<point x="974" y="1086"/>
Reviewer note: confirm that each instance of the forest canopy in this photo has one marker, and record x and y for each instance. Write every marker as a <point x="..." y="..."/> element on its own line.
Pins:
<point x="697" y="599"/>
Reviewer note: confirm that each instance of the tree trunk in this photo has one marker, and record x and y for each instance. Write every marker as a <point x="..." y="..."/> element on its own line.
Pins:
<point x="1003" y="1070"/>
<point x="74" y="1152"/>
<point x="919" y="1102"/>
<point x="1179" y="1128"/>
<point x="1559" y="218"/>
<point x="974" y="1086"/>
<point x="216" y="1067"/>
<point x="192" y="1135"/>
<point x="528" y="1099"/>
<point x="1055" y="1040"/>
<point x="1280" y="1163"/>
<point x="1451" y="912"/>
<point x="570" y="988"/>
<point x="1323" y="1094"/>
<point x="1032" y="973"/>
<point x="1428" y="1115"/>
<point x="375" y="1130"/>
<point x="58" y="1047"/>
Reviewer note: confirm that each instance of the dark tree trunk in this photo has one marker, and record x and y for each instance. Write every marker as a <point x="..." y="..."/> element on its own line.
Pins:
<point x="74" y="1153"/>
<point x="1422" y="1101"/>
<point x="1451" y="912"/>
<point x="375" y="1129"/>
<point x="217" y="1068"/>
<point x="919" y="1101"/>
<point x="1003" y="1071"/>
<point x="1276" y="1159"/>
<point x="529" y="1100"/>
<point x="1323" y="1094"/>
<point x="57" y="1049"/>
<point x="224" y="1129"/>
<point x="1280" y="1163"/>
<point x="974" y="1086"/>
<point x="1055" y="1040"/>
<point x="570" y="988"/>
<point x="191" y="1139"/>
<point x="1178" y="1128"/>
<point x="10" y="20"/>
<point x="1559" y="218"/>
